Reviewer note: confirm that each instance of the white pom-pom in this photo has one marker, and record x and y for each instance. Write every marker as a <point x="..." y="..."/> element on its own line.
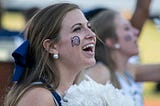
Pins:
<point x="90" y="93"/>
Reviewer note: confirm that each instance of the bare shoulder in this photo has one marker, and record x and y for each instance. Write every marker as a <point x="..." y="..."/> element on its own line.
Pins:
<point x="99" y="72"/>
<point x="37" y="96"/>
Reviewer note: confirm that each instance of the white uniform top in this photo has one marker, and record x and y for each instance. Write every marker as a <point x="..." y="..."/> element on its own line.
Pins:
<point x="133" y="89"/>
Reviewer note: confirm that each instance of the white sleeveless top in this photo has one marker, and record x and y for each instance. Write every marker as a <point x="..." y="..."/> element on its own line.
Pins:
<point x="133" y="89"/>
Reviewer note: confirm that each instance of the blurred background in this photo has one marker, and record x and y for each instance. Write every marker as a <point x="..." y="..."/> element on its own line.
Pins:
<point x="13" y="19"/>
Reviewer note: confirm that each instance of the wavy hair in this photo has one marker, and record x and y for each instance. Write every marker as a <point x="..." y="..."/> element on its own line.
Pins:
<point x="45" y="24"/>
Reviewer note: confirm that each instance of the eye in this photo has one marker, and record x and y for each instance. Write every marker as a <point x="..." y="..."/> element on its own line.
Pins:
<point x="126" y="28"/>
<point x="77" y="29"/>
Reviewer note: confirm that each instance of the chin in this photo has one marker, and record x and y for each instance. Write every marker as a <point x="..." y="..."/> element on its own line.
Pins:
<point x="90" y="63"/>
<point x="134" y="53"/>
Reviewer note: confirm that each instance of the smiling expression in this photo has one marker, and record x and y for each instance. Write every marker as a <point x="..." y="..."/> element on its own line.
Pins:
<point x="127" y="36"/>
<point x="77" y="44"/>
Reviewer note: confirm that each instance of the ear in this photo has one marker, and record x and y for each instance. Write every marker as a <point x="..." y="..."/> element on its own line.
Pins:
<point x="50" y="46"/>
<point x="109" y="42"/>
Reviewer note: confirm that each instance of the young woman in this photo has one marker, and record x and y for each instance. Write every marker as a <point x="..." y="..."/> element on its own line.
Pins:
<point x="46" y="63"/>
<point x="117" y="43"/>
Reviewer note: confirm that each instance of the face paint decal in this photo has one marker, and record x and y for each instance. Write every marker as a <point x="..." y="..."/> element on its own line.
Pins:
<point x="75" y="41"/>
<point x="127" y="38"/>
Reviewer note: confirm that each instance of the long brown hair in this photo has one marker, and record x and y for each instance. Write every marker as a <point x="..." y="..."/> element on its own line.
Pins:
<point x="104" y="27"/>
<point x="46" y="24"/>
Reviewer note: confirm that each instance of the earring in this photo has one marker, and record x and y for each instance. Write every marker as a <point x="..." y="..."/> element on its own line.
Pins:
<point x="55" y="56"/>
<point x="117" y="46"/>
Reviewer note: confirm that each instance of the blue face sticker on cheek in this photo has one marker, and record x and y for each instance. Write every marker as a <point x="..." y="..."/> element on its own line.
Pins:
<point x="127" y="38"/>
<point x="75" y="41"/>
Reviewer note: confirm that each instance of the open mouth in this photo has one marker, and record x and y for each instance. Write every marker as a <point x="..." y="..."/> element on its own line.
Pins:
<point x="88" y="48"/>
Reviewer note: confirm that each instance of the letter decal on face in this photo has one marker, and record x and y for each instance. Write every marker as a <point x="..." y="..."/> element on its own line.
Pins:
<point x="127" y="38"/>
<point x="75" y="41"/>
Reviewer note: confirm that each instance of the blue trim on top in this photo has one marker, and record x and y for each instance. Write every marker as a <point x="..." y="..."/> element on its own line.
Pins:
<point x="57" y="97"/>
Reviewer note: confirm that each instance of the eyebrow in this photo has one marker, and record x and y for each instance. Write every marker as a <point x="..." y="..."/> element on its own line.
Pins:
<point x="76" y="24"/>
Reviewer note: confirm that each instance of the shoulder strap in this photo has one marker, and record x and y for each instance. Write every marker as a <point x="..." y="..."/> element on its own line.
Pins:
<point x="57" y="98"/>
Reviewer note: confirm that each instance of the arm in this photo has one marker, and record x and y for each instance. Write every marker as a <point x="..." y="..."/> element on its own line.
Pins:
<point x="99" y="72"/>
<point x="141" y="14"/>
<point x="145" y="72"/>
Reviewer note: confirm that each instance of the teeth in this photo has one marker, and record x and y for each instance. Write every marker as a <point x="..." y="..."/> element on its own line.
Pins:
<point x="89" y="45"/>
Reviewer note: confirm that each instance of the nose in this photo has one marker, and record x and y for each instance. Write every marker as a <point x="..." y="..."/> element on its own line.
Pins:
<point x="90" y="35"/>
<point x="135" y="31"/>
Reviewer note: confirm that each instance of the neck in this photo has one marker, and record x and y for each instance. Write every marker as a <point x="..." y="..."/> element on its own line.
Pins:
<point x="67" y="77"/>
<point x="120" y="61"/>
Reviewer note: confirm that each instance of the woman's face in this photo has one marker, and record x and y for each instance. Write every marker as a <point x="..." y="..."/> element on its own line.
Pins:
<point x="76" y="47"/>
<point x="127" y="36"/>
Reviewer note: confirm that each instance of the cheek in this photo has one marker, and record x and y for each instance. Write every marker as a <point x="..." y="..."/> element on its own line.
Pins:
<point x="127" y="42"/>
<point x="75" y="41"/>
<point x="128" y="46"/>
<point x="127" y="38"/>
